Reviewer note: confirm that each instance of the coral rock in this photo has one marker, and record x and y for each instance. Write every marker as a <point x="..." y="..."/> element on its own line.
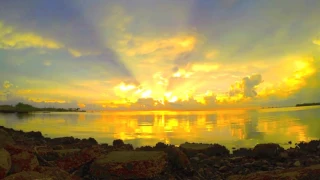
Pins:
<point x="178" y="158"/>
<point x="54" y="173"/>
<point x="191" y="149"/>
<point x="5" y="162"/>
<point x="129" y="164"/>
<point x="27" y="175"/>
<point x="24" y="161"/>
<point x="76" y="160"/>
<point x="5" y="138"/>
<point x="311" y="172"/>
<point x="267" y="150"/>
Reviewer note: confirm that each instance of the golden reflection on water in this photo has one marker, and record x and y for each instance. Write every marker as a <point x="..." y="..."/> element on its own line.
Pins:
<point x="233" y="128"/>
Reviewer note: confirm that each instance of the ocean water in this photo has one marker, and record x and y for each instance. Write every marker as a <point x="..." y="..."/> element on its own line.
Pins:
<point x="232" y="128"/>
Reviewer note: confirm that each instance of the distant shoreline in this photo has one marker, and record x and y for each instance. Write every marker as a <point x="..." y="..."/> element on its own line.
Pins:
<point x="26" y="108"/>
<point x="307" y="104"/>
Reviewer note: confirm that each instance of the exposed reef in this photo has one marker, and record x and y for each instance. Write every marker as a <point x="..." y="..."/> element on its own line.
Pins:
<point x="29" y="155"/>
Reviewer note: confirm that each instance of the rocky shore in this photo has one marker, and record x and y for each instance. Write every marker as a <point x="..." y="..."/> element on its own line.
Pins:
<point x="29" y="155"/>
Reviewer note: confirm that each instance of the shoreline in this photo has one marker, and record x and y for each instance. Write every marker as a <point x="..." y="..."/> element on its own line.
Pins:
<point x="77" y="158"/>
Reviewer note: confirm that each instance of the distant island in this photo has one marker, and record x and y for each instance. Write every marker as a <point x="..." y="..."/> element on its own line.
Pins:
<point x="308" y="104"/>
<point x="26" y="108"/>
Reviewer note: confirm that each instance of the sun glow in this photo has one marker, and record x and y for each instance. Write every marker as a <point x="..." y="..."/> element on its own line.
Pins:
<point x="173" y="99"/>
<point x="146" y="94"/>
<point x="124" y="87"/>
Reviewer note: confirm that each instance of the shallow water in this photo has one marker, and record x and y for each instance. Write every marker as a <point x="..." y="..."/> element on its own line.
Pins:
<point x="233" y="128"/>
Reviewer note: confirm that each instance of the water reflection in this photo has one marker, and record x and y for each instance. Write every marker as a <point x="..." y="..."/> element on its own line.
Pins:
<point x="236" y="128"/>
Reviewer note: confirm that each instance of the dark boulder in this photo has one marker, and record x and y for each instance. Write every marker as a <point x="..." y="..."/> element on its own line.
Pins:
<point x="118" y="143"/>
<point x="243" y="152"/>
<point x="161" y="145"/>
<point x="34" y="134"/>
<point x="267" y="150"/>
<point x="217" y="150"/>
<point x="312" y="146"/>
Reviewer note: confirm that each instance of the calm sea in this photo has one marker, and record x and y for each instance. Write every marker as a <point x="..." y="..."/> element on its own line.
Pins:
<point x="232" y="128"/>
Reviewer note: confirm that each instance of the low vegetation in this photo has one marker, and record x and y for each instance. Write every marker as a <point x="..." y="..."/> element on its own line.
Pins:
<point x="308" y="104"/>
<point x="26" y="108"/>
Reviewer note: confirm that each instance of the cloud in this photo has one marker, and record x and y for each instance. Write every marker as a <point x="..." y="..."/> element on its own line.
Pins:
<point x="246" y="87"/>
<point x="316" y="41"/>
<point x="205" y="67"/>
<point x="7" y="84"/>
<point x="10" y="39"/>
<point x="47" y="63"/>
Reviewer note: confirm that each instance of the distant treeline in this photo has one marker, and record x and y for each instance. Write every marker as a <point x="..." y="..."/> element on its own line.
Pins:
<point x="308" y="104"/>
<point x="25" y="108"/>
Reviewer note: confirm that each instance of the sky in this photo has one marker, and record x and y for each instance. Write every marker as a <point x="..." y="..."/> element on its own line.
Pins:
<point x="151" y="54"/>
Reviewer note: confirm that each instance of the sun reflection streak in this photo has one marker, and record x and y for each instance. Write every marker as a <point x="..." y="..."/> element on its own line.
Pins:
<point x="177" y="127"/>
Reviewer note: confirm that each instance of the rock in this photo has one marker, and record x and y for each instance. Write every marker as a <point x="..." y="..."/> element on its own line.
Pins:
<point x="217" y="150"/>
<point x="208" y="162"/>
<point x="33" y="134"/>
<point x="195" y="159"/>
<point x="223" y="169"/>
<point x="16" y="149"/>
<point x="145" y="148"/>
<point x="66" y="152"/>
<point x="85" y="143"/>
<point x="76" y="160"/>
<point x="279" y="168"/>
<point x="297" y="163"/>
<point x="247" y="165"/>
<point x="242" y="152"/>
<point x="160" y="145"/>
<point x="312" y="146"/>
<point x="118" y="143"/>
<point x="267" y="150"/>
<point x="24" y="161"/>
<point x="236" y="169"/>
<point x="208" y="171"/>
<point x="283" y="155"/>
<point x="129" y="164"/>
<point x="27" y="175"/>
<point x="47" y="153"/>
<point x="246" y="171"/>
<point x="52" y="155"/>
<point x="235" y="159"/>
<point x="5" y="138"/>
<point x="5" y="162"/>
<point x="63" y="141"/>
<point x="57" y="147"/>
<point x="301" y="173"/>
<point x="178" y="159"/>
<point x="294" y="152"/>
<point x="264" y="168"/>
<point x="202" y="156"/>
<point x="54" y="173"/>
<point x="92" y="141"/>
<point x="258" y="163"/>
<point x="191" y="149"/>
<point x="279" y="164"/>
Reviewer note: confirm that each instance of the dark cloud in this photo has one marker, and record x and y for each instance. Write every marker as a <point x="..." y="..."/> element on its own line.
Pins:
<point x="249" y="84"/>
<point x="64" y="22"/>
<point x="59" y="20"/>
<point x="210" y="100"/>
<point x="246" y="86"/>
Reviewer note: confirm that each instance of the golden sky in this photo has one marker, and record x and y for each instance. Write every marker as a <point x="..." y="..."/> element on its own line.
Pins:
<point x="149" y="54"/>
